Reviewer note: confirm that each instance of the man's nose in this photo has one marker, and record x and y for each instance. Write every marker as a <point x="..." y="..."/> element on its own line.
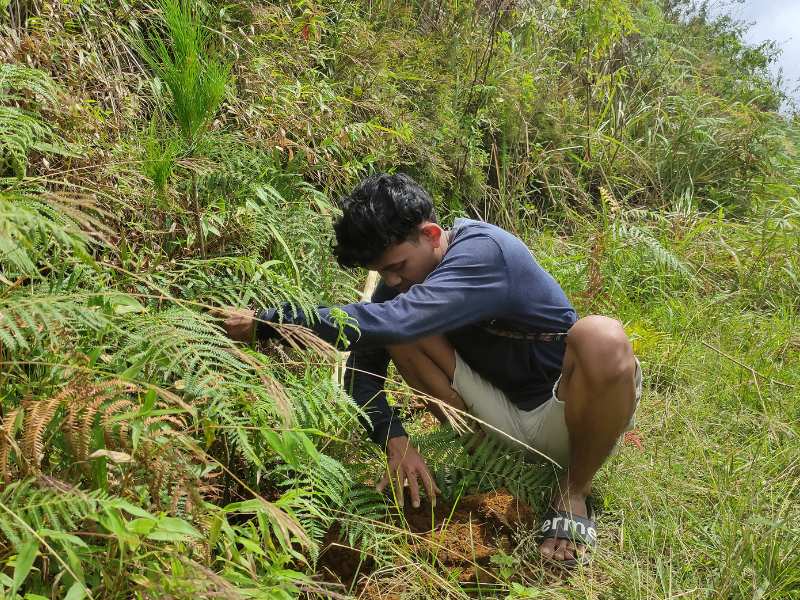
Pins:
<point x="392" y="279"/>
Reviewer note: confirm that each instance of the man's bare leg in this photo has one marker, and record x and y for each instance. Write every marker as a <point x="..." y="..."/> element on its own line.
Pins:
<point x="597" y="387"/>
<point x="428" y="365"/>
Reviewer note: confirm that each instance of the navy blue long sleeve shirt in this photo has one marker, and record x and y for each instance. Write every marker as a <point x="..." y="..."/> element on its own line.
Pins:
<point x="486" y="274"/>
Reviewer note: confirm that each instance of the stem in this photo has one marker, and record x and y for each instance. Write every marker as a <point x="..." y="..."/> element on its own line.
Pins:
<point x="196" y="207"/>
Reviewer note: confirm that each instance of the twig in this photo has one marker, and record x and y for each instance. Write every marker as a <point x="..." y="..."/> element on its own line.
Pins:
<point x="745" y="366"/>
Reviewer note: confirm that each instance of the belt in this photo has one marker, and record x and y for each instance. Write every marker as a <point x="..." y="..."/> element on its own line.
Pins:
<point x="531" y="336"/>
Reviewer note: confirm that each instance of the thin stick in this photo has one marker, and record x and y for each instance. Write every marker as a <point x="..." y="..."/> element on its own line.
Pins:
<point x="745" y="366"/>
<point x="341" y="363"/>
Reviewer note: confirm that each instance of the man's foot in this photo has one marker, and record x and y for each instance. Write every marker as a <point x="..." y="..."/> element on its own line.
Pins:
<point x="564" y="507"/>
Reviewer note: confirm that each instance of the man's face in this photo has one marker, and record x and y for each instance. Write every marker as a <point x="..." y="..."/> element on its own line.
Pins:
<point x="407" y="263"/>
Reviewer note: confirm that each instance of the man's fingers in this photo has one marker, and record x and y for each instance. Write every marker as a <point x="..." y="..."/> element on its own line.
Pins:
<point x="413" y="486"/>
<point x="430" y="486"/>
<point x="399" y="481"/>
<point x="382" y="483"/>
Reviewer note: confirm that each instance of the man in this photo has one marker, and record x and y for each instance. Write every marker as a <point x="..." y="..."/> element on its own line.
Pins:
<point x="470" y="318"/>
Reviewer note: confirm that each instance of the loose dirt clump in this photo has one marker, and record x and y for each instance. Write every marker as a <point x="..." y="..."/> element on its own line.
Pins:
<point x="463" y="536"/>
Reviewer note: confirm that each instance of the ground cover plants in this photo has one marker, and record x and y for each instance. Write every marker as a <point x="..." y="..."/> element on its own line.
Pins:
<point x="160" y="159"/>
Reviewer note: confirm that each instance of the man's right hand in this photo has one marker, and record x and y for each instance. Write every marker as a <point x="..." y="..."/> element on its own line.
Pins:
<point x="405" y="462"/>
<point x="239" y="324"/>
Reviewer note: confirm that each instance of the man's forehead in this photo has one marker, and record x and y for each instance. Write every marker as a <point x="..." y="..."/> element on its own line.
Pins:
<point x="393" y="254"/>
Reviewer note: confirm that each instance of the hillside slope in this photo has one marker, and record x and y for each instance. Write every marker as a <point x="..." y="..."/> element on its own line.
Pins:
<point x="159" y="160"/>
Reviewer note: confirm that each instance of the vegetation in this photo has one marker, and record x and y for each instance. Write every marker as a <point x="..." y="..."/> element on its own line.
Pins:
<point x="158" y="160"/>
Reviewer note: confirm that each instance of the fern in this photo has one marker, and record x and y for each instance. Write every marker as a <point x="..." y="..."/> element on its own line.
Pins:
<point x="71" y="413"/>
<point x="44" y="503"/>
<point x="36" y="321"/>
<point x="21" y="130"/>
<point x="32" y="229"/>
<point x="656" y="249"/>
<point x="321" y="404"/>
<point x="491" y="465"/>
<point x="237" y="281"/>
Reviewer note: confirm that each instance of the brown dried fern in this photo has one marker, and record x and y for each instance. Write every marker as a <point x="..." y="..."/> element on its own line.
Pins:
<point x="112" y="410"/>
<point x="82" y="400"/>
<point x="7" y="442"/>
<point x="80" y="419"/>
<point x="38" y="415"/>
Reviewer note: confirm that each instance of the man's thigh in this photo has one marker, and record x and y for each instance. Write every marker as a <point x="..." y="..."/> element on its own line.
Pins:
<point x="494" y="412"/>
<point x="436" y="348"/>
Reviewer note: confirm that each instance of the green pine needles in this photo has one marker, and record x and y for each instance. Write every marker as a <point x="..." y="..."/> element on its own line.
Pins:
<point x="183" y="59"/>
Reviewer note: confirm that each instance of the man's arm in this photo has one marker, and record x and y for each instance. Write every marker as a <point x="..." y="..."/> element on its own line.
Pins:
<point x="365" y="378"/>
<point x="470" y="285"/>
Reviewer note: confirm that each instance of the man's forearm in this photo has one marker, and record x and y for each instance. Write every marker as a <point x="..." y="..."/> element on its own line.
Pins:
<point x="365" y="378"/>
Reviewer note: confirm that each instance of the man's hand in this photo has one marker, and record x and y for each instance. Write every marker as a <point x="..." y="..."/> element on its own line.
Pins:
<point x="406" y="463"/>
<point x="239" y="324"/>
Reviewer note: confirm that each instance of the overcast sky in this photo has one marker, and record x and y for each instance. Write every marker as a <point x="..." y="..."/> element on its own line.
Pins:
<point x="777" y="20"/>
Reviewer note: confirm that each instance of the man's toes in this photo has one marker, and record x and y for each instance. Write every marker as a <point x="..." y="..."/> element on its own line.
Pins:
<point x="563" y="551"/>
<point x="560" y="549"/>
<point x="569" y="551"/>
<point x="548" y="547"/>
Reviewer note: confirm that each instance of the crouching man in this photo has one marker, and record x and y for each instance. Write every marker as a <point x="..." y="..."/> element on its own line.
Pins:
<point x="469" y="317"/>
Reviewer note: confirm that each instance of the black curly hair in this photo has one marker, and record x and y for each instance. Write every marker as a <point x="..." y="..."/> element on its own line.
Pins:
<point x="383" y="210"/>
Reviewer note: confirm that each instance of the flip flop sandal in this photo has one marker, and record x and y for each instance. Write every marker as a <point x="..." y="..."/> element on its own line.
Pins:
<point x="563" y="525"/>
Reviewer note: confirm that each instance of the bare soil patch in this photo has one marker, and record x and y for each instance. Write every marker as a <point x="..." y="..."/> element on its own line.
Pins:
<point x="463" y="536"/>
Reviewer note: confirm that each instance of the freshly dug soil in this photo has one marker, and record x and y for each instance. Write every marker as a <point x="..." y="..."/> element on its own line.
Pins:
<point x="465" y="536"/>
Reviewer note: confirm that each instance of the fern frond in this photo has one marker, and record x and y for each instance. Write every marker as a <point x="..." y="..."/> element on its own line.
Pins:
<point x="115" y="425"/>
<point x="27" y="321"/>
<point x="36" y="229"/>
<point x="7" y="442"/>
<point x="490" y="466"/>
<point x="84" y="405"/>
<point x="660" y="254"/>
<point x="44" y="503"/>
<point x="20" y="130"/>
<point x="16" y="79"/>
<point x="239" y="281"/>
<point x="38" y="415"/>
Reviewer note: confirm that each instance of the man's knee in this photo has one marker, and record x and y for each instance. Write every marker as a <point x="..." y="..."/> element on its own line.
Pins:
<point x="433" y="350"/>
<point x="403" y="351"/>
<point x="601" y="350"/>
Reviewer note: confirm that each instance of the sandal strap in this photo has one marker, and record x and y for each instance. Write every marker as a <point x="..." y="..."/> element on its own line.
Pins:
<point x="563" y="525"/>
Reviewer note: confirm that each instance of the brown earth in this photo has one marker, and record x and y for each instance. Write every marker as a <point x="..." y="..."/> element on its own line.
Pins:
<point x="464" y="537"/>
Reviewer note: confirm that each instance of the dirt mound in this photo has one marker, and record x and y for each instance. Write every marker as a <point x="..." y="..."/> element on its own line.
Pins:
<point x="463" y="536"/>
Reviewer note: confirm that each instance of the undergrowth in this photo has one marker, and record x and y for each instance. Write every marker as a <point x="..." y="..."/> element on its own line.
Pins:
<point x="161" y="159"/>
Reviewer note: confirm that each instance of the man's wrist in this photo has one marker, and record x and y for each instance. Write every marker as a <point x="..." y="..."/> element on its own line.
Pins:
<point x="263" y="330"/>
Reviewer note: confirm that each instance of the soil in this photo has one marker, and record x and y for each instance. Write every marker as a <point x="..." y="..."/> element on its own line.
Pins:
<point x="463" y="537"/>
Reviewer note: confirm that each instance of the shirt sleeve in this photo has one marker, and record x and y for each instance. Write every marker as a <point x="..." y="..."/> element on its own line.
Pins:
<point x="471" y="284"/>
<point x="364" y="379"/>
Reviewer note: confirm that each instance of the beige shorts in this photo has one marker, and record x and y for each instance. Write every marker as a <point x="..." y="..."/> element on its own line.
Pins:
<point x="543" y="428"/>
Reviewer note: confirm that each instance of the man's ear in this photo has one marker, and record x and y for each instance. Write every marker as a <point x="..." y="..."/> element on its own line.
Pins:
<point x="432" y="232"/>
